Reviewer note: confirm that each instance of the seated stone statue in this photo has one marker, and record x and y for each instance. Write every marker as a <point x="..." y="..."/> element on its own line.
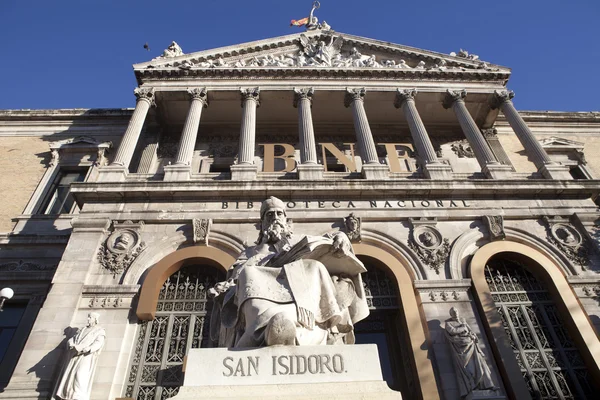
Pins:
<point x="471" y="367"/>
<point x="264" y="303"/>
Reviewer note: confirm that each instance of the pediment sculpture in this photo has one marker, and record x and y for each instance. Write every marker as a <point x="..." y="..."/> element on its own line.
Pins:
<point x="289" y="289"/>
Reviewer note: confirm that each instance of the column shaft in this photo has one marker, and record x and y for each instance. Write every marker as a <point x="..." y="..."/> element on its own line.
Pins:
<point x="308" y="148"/>
<point x="418" y="132"/>
<point x="190" y="129"/>
<point x="482" y="151"/>
<point x="364" y="137"/>
<point x="248" y="129"/>
<point x="532" y="147"/>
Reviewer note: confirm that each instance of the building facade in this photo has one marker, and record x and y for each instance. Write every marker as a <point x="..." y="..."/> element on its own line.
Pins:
<point x="451" y="197"/>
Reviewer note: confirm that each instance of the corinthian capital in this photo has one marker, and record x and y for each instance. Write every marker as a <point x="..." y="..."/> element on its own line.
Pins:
<point x="199" y="94"/>
<point x="250" y="94"/>
<point x="501" y="96"/>
<point x="453" y="96"/>
<point x="403" y="95"/>
<point x="306" y="93"/>
<point x="145" y="94"/>
<point x="353" y="95"/>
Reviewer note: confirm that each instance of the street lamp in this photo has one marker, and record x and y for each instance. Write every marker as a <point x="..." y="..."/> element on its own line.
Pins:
<point x="5" y="294"/>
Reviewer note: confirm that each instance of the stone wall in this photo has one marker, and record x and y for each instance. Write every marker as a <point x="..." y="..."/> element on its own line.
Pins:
<point x="23" y="161"/>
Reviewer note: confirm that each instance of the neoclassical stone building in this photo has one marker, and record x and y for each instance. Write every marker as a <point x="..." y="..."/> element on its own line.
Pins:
<point x="451" y="196"/>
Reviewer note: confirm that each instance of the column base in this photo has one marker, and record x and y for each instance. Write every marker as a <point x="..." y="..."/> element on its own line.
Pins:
<point x="112" y="173"/>
<point x="243" y="172"/>
<point x="177" y="173"/>
<point x="555" y="171"/>
<point x="437" y="171"/>
<point x="497" y="171"/>
<point x="375" y="171"/>
<point x="310" y="172"/>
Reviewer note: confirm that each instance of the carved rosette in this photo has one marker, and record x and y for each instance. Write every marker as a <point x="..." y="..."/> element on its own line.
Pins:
<point x="353" y="95"/>
<point x="495" y="225"/>
<point x="250" y="94"/>
<point x="352" y="225"/>
<point x="501" y="96"/>
<point x="121" y="247"/>
<point x="429" y="245"/>
<point x="300" y="94"/>
<point x="403" y="95"/>
<point x="489" y="132"/>
<point x="462" y="149"/>
<point x="199" y="94"/>
<point x="201" y="230"/>
<point x="453" y="96"/>
<point x="568" y="240"/>
<point x="146" y="94"/>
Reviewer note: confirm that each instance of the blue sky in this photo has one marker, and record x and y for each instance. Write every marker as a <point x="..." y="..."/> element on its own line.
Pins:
<point x="78" y="53"/>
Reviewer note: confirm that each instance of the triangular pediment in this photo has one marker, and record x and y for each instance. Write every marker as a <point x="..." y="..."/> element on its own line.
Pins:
<point x="555" y="142"/>
<point x="319" y="50"/>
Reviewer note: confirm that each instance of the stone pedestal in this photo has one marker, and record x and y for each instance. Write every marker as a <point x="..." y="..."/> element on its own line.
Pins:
<point x="375" y="171"/>
<point x="285" y="372"/>
<point x="178" y="172"/>
<point x="497" y="171"/>
<point x="310" y="172"/>
<point x="243" y="172"/>
<point x="437" y="171"/>
<point x="112" y="173"/>
<point x="555" y="171"/>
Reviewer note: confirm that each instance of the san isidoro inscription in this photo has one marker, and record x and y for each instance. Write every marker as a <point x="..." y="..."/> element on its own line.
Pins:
<point x="274" y="365"/>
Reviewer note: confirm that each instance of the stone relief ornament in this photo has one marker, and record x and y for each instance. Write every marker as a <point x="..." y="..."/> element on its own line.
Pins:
<point x="352" y="224"/>
<point x="462" y="149"/>
<point x="472" y="370"/>
<point x="289" y="289"/>
<point x="429" y="245"/>
<point x="495" y="225"/>
<point x="83" y="351"/>
<point x="23" y="266"/>
<point x="201" y="229"/>
<point x="121" y="248"/>
<point x="172" y="51"/>
<point x="567" y="239"/>
<point x="465" y="54"/>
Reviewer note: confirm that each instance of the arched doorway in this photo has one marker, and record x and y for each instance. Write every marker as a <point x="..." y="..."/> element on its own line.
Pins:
<point x="547" y="356"/>
<point x="180" y="323"/>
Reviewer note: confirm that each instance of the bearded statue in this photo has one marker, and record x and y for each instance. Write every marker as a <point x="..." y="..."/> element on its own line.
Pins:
<point x="277" y="295"/>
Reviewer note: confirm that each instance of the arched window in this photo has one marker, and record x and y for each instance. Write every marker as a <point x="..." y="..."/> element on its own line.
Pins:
<point x="547" y="356"/>
<point x="385" y="327"/>
<point x="181" y="322"/>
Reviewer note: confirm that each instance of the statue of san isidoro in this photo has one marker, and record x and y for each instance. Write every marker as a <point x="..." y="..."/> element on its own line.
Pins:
<point x="289" y="289"/>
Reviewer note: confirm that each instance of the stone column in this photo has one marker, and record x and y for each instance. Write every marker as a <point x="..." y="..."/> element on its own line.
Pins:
<point x="308" y="169"/>
<point x="489" y="165"/>
<point x="245" y="169"/>
<point x="371" y="169"/>
<point x="533" y="148"/>
<point x="431" y="166"/>
<point x="182" y="169"/>
<point x="118" y="169"/>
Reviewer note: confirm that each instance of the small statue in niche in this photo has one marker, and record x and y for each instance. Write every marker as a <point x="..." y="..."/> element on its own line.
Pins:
<point x="469" y="361"/>
<point x="83" y="351"/>
<point x="352" y="224"/>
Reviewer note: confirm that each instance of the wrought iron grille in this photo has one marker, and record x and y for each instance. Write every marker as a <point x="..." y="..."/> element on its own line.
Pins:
<point x="181" y="323"/>
<point x="380" y="291"/>
<point x="549" y="360"/>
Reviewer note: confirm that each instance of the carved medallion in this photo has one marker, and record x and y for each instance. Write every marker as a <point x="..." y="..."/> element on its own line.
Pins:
<point x="566" y="238"/>
<point x="201" y="230"/>
<point x="429" y="245"/>
<point x="121" y="248"/>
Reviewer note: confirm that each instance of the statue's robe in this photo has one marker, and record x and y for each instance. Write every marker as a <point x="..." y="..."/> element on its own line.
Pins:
<point x="303" y="290"/>
<point x="471" y="367"/>
<point x="78" y="372"/>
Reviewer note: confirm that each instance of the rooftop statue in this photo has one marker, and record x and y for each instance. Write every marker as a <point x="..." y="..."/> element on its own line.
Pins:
<point x="172" y="51"/>
<point x="289" y="289"/>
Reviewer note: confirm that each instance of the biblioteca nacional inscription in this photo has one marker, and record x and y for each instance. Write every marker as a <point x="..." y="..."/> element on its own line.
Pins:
<point x="284" y="365"/>
<point x="314" y="204"/>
